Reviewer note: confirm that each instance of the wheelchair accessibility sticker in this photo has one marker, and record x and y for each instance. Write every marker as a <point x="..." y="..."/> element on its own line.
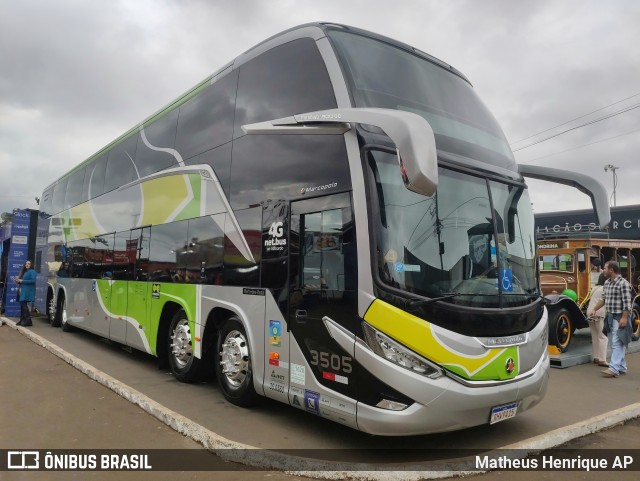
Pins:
<point x="506" y="280"/>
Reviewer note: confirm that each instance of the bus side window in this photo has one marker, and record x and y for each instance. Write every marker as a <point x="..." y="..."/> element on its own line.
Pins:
<point x="160" y="134"/>
<point x="166" y="246"/>
<point x="287" y="80"/>
<point x="120" y="168"/>
<point x="239" y="269"/>
<point x="59" y="193"/>
<point x="74" y="188"/>
<point x="204" y="258"/>
<point x="94" y="178"/>
<point x="124" y="257"/>
<point x="206" y="120"/>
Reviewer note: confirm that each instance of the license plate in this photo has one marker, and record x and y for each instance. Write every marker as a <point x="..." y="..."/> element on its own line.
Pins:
<point x="500" y="413"/>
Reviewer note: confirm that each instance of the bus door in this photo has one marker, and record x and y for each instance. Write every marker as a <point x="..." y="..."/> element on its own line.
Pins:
<point x="322" y="283"/>
<point x="138" y="304"/>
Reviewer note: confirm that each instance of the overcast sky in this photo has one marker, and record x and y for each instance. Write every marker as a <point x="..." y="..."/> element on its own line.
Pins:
<point x="75" y="74"/>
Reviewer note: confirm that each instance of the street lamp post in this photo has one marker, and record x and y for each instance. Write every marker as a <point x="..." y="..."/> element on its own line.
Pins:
<point x="613" y="168"/>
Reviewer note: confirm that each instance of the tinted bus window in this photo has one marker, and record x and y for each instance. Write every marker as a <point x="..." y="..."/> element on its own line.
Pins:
<point x="79" y="256"/>
<point x="159" y="135"/>
<point x="204" y="256"/>
<point x="239" y="268"/>
<point x="166" y="250"/>
<point x="91" y="258"/>
<point x="59" y="192"/>
<point x="124" y="256"/>
<point x="104" y="250"/>
<point x="46" y="203"/>
<point x="206" y="120"/>
<point x="220" y="161"/>
<point x="74" y="189"/>
<point x="287" y="80"/>
<point x="96" y="172"/>
<point x="120" y="167"/>
<point x="287" y="166"/>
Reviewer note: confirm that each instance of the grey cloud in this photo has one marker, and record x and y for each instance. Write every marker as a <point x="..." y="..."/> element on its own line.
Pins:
<point x="76" y="74"/>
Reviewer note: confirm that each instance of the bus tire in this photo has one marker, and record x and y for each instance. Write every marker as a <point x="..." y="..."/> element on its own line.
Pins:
<point x="64" y="321"/>
<point x="560" y="329"/>
<point x="233" y="364"/>
<point x="61" y="304"/>
<point x="184" y="365"/>
<point x="51" y="307"/>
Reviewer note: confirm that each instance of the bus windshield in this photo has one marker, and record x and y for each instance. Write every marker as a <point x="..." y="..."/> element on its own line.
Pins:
<point x="472" y="242"/>
<point x="384" y="76"/>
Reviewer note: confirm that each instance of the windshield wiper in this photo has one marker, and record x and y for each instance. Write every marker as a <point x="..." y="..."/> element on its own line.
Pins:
<point x="415" y="303"/>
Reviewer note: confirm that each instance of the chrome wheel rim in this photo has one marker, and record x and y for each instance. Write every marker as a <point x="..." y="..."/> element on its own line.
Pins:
<point x="52" y="310"/>
<point x="181" y="348"/>
<point x="234" y="358"/>
<point x="63" y="312"/>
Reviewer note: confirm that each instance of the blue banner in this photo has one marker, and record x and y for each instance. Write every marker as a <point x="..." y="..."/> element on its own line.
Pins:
<point x="18" y="255"/>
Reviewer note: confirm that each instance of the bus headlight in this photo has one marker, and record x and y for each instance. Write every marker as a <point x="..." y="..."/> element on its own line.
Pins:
<point x="392" y="351"/>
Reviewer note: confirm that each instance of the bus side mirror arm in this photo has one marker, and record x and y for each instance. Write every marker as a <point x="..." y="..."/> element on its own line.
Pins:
<point x="584" y="183"/>
<point x="410" y="132"/>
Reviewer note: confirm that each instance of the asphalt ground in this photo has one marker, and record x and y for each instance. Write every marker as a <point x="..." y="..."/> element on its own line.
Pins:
<point x="47" y="404"/>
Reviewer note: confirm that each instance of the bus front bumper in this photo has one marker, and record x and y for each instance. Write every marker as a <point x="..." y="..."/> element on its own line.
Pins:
<point x="444" y="404"/>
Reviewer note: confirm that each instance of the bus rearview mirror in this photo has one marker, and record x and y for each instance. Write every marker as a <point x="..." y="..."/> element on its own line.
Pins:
<point x="410" y="132"/>
<point x="584" y="183"/>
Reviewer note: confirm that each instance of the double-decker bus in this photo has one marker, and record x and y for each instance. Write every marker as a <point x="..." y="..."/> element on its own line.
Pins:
<point x="333" y="220"/>
<point x="567" y="266"/>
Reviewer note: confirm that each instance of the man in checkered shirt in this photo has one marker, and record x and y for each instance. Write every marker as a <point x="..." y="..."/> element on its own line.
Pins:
<point x="617" y="301"/>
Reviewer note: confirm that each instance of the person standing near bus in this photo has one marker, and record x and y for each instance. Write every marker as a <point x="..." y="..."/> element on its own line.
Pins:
<point x="617" y="301"/>
<point x="27" y="294"/>
<point x="596" y="323"/>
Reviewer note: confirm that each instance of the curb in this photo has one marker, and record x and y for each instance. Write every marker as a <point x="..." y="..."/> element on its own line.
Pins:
<point x="232" y="451"/>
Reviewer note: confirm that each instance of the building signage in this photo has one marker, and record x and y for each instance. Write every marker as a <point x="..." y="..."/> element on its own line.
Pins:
<point x="625" y="222"/>
<point x="551" y="245"/>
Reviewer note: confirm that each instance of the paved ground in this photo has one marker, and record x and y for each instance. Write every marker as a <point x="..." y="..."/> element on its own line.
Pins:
<point x="45" y="403"/>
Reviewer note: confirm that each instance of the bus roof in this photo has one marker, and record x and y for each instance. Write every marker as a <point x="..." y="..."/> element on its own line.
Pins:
<point x="315" y="30"/>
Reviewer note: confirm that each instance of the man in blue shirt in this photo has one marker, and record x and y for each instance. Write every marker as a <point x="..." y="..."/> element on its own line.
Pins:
<point x="617" y="301"/>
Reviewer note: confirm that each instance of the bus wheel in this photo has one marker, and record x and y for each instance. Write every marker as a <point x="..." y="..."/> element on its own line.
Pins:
<point x="636" y="322"/>
<point x="560" y="329"/>
<point x="51" y="308"/>
<point x="184" y="364"/>
<point x="62" y="304"/>
<point x="233" y="364"/>
<point x="64" y="321"/>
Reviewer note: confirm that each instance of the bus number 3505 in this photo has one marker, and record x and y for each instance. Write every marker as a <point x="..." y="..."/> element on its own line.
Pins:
<point x="329" y="360"/>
